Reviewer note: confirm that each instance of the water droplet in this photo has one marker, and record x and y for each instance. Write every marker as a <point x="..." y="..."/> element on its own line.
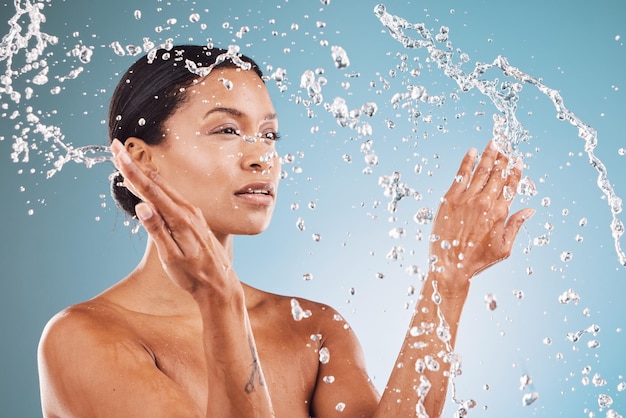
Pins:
<point x="141" y="122"/>
<point x="317" y="237"/>
<point x="340" y="406"/>
<point x="526" y="187"/>
<point x="593" y="343"/>
<point x="397" y="233"/>
<point x="194" y="17"/>
<point x="604" y="401"/>
<point x="529" y="398"/>
<point x="569" y="296"/>
<point x="118" y="49"/>
<point x="300" y="224"/>
<point x="324" y="355"/>
<point x="226" y="82"/>
<point x="490" y="301"/>
<point x="297" y="312"/>
<point x="431" y="363"/>
<point x="328" y="379"/>
<point x="340" y="57"/>
<point x="137" y="14"/>
<point x="307" y="277"/>
<point x="524" y="381"/>
<point x="424" y="216"/>
<point x="566" y="256"/>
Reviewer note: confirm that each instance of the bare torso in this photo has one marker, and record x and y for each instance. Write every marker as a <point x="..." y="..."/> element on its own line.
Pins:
<point x="288" y="348"/>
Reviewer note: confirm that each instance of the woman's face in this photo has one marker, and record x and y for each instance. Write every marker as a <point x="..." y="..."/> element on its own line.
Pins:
<point x="220" y="151"/>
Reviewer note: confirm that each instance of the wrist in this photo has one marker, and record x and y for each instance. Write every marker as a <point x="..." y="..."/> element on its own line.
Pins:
<point x="452" y="284"/>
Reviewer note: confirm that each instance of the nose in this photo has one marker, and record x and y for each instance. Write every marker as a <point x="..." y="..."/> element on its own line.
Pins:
<point x="258" y="154"/>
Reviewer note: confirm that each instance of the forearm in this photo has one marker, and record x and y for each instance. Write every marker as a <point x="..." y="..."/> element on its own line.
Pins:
<point x="419" y="381"/>
<point x="236" y="386"/>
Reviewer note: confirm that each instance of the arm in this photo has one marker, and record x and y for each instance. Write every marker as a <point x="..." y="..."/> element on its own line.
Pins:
<point x="472" y="231"/>
<point x="198" y="262"/>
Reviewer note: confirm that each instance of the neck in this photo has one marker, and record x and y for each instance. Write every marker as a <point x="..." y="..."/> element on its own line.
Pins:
<point x="151" y="289"/>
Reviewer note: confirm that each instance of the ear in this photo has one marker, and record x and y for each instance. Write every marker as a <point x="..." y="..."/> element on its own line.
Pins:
<point x="140" y="152"/>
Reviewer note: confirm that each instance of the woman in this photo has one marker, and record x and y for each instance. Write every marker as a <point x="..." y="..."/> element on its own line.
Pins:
<point x="193" y="133"/>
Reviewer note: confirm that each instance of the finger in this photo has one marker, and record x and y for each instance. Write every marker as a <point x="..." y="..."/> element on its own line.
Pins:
<point x="463" y="176"/>
<point x="484" y="169"/>
<point x="498" y="177"/>
<point x="149" y="186"/>
<point x="513" y="178"/>
<point x="513" y="225"/>
<point x="158" y="231"/>
<point x="183" y="227"/>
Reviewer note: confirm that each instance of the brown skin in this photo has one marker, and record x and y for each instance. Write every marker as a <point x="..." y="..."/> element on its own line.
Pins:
<point x="181" y="336"/>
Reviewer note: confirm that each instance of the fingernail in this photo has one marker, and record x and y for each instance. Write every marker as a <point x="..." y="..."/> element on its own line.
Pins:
<point x="123" y="157"/>
<point x="116" y="146"/>
<point x="531" y="213"/>
<point x="473" y="152"/>
<point x="143" y="211"/>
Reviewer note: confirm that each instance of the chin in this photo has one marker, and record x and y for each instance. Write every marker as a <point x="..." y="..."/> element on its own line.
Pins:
<point x="254" y="227"/>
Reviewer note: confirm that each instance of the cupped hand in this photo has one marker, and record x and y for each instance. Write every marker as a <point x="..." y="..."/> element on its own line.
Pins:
<point x="190" y="253"/>
<point x="473" y="229"/>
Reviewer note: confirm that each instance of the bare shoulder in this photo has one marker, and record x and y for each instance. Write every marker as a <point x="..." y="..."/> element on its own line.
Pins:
<point x="80" y="323"/>
<point x="297" y="314"/>
<point x="288" y="307"/>
<point x="79" y="348"/>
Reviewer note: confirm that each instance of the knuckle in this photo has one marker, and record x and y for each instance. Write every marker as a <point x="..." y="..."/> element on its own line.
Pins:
<point x="482" y="171"/>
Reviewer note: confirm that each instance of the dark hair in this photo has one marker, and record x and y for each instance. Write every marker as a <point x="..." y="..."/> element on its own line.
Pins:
<point x="150" y="92"/>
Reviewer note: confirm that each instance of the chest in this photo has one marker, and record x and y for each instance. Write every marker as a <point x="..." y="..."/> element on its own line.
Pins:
<point x="289" y="358"/>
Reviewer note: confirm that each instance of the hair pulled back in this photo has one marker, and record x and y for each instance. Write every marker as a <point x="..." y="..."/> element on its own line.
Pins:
<point x="151" y="90"/>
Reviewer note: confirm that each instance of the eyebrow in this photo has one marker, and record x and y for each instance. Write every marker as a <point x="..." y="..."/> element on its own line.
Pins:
<point x="236" y="113"/>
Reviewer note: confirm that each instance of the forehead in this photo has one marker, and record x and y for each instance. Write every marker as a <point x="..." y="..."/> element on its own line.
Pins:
<point x="231" y="84"/>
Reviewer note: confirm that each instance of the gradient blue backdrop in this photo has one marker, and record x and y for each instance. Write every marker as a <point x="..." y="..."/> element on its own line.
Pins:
<point x="75" y="243"/>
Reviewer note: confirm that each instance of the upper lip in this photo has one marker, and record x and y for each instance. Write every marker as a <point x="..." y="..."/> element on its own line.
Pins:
<point x="258" y="187"/>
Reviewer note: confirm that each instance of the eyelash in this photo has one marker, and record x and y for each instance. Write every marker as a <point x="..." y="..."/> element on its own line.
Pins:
<point x="275" y="136"/>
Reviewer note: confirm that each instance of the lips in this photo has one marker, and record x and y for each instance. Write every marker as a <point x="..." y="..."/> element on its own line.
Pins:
<point x="257" y="188"/>
<point x="257" y="193"/>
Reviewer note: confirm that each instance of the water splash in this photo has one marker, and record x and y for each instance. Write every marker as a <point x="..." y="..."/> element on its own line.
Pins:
<point x="16" y="41"/>
<point x="508" y="132"/>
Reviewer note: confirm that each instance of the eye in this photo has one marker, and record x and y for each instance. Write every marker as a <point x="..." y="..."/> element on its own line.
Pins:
<point x="274" y="136"/>
<point x="227" y="130"/>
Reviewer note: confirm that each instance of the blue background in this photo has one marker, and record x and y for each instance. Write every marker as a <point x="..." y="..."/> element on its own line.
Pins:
<point x="76" y="244"/>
